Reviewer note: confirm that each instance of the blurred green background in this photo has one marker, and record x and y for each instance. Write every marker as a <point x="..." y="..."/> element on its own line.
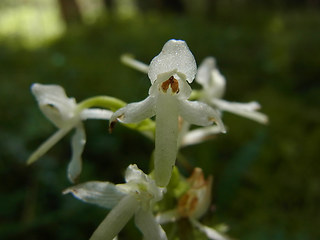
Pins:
<point x="267" y="181"/>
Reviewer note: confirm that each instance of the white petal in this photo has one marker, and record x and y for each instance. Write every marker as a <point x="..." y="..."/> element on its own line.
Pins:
<point x="54" y="103"/>
<point x="44" y="147"/>
<point x="135" y="112"/>
<point x="199" y="113"/>
<point x="168" y="216"/>
<point x="175" y="55"/>
<point x="147" y="224"/>
<point x="116" y="219"/>
<point x="243" y="109"/>
<point x="131" y="62"/>
<point x="133" y="173"/>
<point x="200" y="135"/>
<point x="210" y="232"/>
<point x="96" y="113"/>
<point x="104" y="194"/>
<point x="166" y="141"/>
<point x="203" y="76"/>
<point x="78" y="142"/>
<point x="218" y="85"/>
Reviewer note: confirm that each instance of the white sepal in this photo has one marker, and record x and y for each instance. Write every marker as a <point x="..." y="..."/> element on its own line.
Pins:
<point x="199" y="135"/>
<point x="131" y="62"/>
<point x="247" y="110"/>
<point x="54" y="103"/>
<point x="78" y="142"/>
<point x="175" y="55"/>
<point x="104" y="194"/>
<point x="168" y="216"/>
<point x="209" y="232"/>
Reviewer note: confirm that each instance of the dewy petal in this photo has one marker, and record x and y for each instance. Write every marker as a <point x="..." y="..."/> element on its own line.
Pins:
<point x="166" y="139"/>
<point x="147" y="224"/>
<point x="131" y="62"/>
<point x="243" y="109"/>
<point x="54" y="103"/>
<point x="78" y="142"/>
<point x="44" y="147"/>
<point x="175" y="54"/>
<point x="135" y="112"/>
<point x="116" y="219"/>
<point x="199" y="113"/>
<point x="95" y="113"/>
<point x="104" y="194"/>
<point x="210" y="232"/>
<point x="199" y="135"/>
<point x="203" y="76"/>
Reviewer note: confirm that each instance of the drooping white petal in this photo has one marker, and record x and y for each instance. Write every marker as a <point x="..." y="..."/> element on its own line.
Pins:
<point x="116" y="219"/>
<point x="166" y="138"/>
<point x="104" y="194"/>
<point x="199" y="135"/>
<point x="199" y="113"/>
<point x="78" y="142"/>
<point x="44" y="147"/>
<point x="147" y="224"/>
<point x="210" y="232"/>
<point x="243" y="109"/>
<point x="168" y="216"/>
<point x="175" y="55"/>
<point x="131" y="62"/>
<point x="95" y="113"/>
<point x="54" y="103"/>
<point x="203" y="76"/>
<point x="135" y="112"/>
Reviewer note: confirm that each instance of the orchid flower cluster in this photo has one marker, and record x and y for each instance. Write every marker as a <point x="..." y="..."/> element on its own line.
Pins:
<point x="176" y="107"/>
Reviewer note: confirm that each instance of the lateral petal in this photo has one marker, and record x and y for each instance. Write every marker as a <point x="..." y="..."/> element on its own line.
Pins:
<point x="104" y="194"/>
<point x="199" y="113"/>
<point x="147" y="224"/>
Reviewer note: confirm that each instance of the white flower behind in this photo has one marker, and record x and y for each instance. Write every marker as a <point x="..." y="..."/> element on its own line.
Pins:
<point x="193" y="205"/>
<point x="63" y="112"/>
<point x="213" y="88"/>
<point x="135" y="197"/>
<point x="170" y="74"/>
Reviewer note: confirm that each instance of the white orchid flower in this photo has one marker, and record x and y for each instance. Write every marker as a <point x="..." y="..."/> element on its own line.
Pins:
<point x="213" y="88"/>
<point x="136" y="197"/>
<point x="170" y="74"/>
<point x="64" y="113"/>
<point x="193" y="205"/>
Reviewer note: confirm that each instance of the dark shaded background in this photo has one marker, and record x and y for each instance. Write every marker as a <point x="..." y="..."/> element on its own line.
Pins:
<point x="267" y="183"/>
